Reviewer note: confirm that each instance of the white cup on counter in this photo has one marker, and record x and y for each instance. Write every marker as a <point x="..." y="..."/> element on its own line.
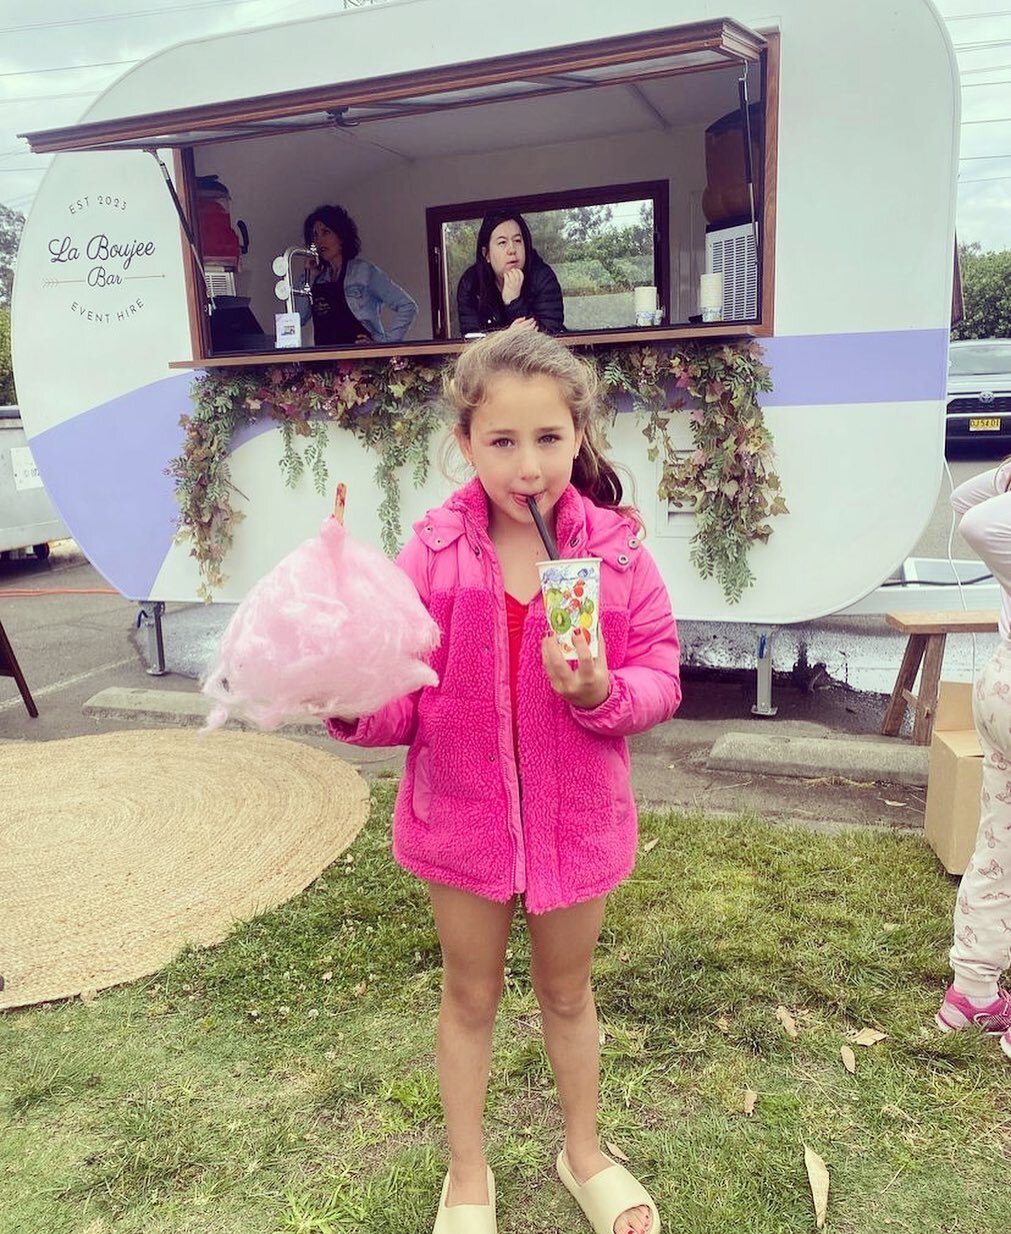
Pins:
<point x="711" y="297"/>
<point x="644" y="305"/>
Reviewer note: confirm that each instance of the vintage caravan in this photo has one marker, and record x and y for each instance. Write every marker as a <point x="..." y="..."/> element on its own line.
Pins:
<point x="795" y="152"/>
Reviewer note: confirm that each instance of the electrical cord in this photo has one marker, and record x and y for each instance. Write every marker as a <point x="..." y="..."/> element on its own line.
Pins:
<point x="955" y="582"/>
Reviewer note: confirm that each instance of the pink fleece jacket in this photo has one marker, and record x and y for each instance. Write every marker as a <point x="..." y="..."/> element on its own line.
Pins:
<point x="458" y="817"/>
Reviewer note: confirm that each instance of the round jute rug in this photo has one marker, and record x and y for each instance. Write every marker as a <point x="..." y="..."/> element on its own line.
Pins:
<point x="116" y="850"/>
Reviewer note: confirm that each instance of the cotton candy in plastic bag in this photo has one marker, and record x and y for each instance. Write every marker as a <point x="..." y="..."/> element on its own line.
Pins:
<point x="335" y="629"/>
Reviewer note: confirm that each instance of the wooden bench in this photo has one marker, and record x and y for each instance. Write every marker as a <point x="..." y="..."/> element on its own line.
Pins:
<point x="927" y="634"/>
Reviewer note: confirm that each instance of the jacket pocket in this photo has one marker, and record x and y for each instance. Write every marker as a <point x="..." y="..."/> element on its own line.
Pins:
<point x="421" y="789"/>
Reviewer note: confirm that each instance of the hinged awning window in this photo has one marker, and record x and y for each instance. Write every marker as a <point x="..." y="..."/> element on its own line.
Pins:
<point x="630" y="58"/>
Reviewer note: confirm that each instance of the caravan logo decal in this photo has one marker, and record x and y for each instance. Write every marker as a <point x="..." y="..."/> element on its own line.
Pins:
<point x="103" y="262"/>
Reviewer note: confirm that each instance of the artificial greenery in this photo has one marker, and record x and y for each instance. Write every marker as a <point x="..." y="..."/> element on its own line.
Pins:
<point x="728" y="477"/>
<point x="393" y="407"/>
<point x="388" y="405"/>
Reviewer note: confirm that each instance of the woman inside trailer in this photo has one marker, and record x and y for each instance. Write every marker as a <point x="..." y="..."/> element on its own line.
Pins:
<point x="349" y="293"/>
<point x="509" y="286"/>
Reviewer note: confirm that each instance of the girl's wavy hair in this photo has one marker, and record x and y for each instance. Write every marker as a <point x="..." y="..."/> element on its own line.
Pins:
<point x="528" y="353"/>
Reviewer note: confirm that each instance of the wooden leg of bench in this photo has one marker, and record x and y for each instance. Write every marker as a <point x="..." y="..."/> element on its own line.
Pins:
<point x="9" y="667"/>
<point x="911" y="658"/>
<point x="926" y="702"/>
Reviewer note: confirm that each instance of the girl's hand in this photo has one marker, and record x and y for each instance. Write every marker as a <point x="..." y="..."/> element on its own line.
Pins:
<point x="523" y="323"/>
<point x="512" y="285"/>
<point x="587" y="684"/>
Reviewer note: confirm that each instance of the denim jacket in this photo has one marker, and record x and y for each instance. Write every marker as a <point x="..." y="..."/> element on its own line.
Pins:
<point x="367" y="289"/>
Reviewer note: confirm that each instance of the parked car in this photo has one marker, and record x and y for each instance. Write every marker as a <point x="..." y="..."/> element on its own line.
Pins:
<point x="979" y="394"/>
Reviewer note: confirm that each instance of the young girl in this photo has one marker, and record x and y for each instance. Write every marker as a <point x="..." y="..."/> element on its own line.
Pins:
<point x="516" y="787"/>
<point x="982" y="945"/>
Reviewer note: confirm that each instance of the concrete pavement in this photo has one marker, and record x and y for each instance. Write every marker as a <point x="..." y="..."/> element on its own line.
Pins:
<point x="819" y="762"/>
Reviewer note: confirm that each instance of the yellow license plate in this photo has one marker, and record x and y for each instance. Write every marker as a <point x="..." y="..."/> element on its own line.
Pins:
<point x="984" y="424"/>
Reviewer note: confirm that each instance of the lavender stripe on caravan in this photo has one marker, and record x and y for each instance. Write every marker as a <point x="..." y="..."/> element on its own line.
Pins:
<point x="895" y="366"/>
<point x="105" y="472"/>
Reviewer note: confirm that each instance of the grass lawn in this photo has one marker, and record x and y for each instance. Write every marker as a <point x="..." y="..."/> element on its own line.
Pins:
<point x="283" y="1082"/>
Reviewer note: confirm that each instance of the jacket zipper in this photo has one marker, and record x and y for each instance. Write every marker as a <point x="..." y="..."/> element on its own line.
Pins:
<point x="507" y="754"/>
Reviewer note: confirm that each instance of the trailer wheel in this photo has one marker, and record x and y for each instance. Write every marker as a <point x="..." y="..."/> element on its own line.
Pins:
<point x="41" y="551"/>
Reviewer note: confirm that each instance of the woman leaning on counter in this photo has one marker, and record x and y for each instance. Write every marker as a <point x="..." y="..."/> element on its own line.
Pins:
<point x="509" y="286"/>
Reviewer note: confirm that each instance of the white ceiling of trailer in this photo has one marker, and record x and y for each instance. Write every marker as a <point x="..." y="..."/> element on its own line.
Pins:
<point x="672" y="102"/>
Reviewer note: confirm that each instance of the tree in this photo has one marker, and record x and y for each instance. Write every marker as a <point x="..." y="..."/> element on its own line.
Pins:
<point x="986" y="293"/>
<point x="11" y="223"/>
<point x="7" y="391"/>
<point x="583" y="223"/>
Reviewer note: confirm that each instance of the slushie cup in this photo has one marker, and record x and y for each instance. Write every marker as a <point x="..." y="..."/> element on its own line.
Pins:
<point x="571" y="590"/>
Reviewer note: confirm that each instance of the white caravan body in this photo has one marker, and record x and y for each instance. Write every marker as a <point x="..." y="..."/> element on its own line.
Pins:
<point x="867" y="134"/>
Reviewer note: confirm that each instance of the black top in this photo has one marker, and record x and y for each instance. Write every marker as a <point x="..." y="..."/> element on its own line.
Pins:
<point x="539" y="298"/>
<point x="333" y="323"/>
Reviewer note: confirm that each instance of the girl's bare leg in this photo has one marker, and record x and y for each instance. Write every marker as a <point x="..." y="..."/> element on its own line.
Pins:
<point x="562" y="951"/>
<point x="473" y="934"/>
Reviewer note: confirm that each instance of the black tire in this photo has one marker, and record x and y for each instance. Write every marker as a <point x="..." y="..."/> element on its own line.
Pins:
<point x="41" y="551"/>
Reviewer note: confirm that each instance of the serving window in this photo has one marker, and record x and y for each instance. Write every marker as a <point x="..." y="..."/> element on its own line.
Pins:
<point x="638" y="161"/>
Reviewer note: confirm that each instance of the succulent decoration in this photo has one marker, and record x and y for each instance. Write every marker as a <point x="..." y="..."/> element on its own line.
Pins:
<point x="393" y="407"/>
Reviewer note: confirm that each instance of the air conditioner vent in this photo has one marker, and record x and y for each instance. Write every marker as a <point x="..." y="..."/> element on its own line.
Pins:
<point x="219" y="282"/>
<point x="731" y="252"/>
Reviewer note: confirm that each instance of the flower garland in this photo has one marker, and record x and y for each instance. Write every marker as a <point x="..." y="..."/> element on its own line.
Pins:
<point x="392" y="406"/>
<point x="728" y="478"/>
<point x="389" y="405"/>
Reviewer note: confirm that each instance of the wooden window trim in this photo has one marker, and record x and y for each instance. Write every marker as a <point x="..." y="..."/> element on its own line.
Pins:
<point x="713" y="332"/>
<point x="530" y="203"/>
<point x="196" y="289"/>
<point x="770" y="166"/>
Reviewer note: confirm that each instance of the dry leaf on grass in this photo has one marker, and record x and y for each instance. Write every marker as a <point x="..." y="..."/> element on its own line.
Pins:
<point x="817" y="1176"/>
<point x="788" y="1022"/>
<point x="750" y="1097"/>
<point x="723" y="1024"/>
<point x="849" y="1059"/>
<point x="615" y="1151"/>
<point x="650" y="845"/>
<point x="868" y="1037"/>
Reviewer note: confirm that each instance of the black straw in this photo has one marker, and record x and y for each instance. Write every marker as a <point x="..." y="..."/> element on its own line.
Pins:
<point x="546" y="536"/>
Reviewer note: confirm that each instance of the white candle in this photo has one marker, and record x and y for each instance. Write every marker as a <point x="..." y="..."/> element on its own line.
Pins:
<point x="711" y="291"/>
<point x="644" y="299"/>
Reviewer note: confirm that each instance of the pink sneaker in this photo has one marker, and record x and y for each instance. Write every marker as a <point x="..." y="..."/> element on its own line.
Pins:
<point x="957" y="1012"/>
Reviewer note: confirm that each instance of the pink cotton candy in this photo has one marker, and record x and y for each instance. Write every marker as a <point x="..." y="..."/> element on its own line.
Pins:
<point x="335" y="629"/>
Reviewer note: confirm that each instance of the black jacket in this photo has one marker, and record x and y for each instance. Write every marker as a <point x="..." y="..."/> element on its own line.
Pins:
<point x="540" y="298"/>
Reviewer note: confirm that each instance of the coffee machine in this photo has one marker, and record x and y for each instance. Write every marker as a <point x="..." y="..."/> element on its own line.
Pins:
<point x="233" y="325"/>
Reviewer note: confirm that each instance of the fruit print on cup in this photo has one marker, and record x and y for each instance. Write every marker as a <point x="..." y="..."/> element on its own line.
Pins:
<point x="571" y="591"/>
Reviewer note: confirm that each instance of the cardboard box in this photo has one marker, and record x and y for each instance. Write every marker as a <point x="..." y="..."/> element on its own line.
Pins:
<point x="954" y="779"/>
